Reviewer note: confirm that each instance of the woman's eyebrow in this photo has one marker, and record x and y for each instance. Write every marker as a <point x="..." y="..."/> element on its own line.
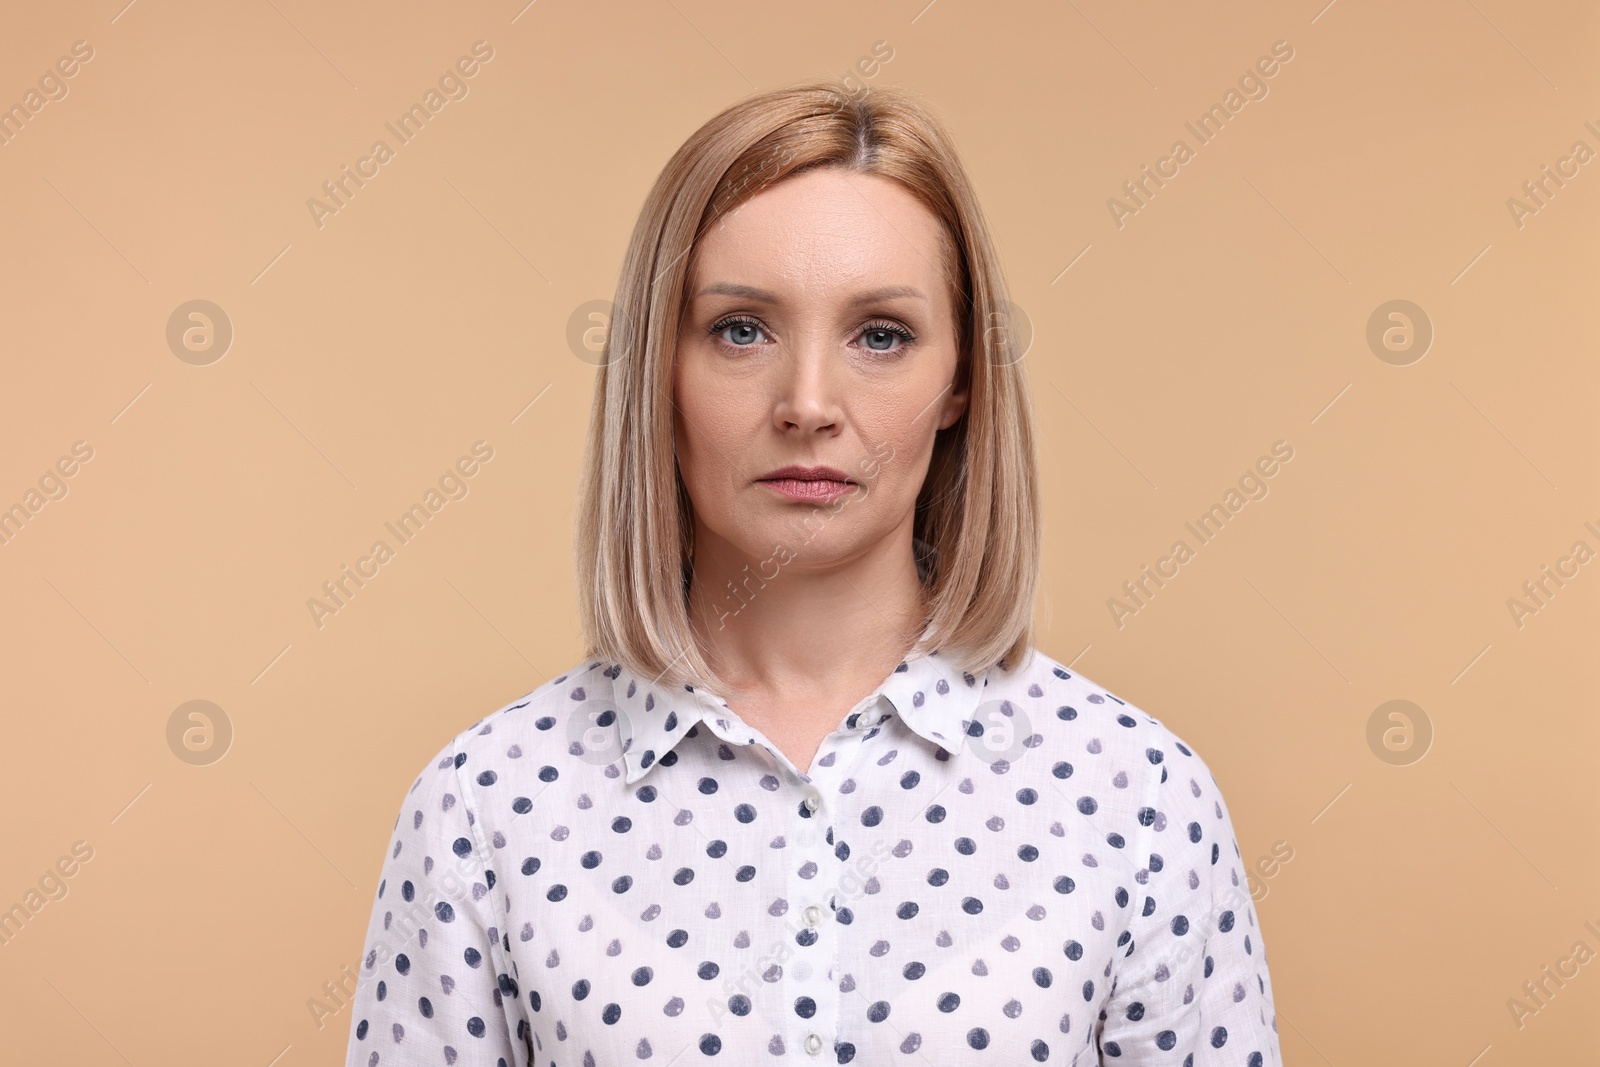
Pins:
<point x="867" y="296"/>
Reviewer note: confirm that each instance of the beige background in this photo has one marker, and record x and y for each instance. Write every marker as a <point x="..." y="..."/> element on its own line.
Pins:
<point x="1230" y="312"/>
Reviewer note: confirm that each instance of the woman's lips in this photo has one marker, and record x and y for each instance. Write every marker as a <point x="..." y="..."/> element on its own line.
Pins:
<point x="808" y="489"/>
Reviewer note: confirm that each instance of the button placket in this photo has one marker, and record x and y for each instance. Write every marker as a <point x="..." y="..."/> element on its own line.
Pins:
<point x="843" y="815"/>
<point x="817" y="979"/>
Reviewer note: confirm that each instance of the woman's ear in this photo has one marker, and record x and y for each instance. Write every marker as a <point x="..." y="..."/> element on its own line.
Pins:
<point x="954" y="406"/>
<point x="955" y="401"/>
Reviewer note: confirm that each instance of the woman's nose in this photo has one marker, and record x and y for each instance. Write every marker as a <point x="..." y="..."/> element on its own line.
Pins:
<point x="807" y="388"/>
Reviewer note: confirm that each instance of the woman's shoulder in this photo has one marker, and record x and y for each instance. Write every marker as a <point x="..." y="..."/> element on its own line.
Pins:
<point x="1087" y="716"/>
<point x="533" y="726"/>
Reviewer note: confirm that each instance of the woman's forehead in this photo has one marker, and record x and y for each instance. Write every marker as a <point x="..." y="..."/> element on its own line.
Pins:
<point x="823" y="231"/>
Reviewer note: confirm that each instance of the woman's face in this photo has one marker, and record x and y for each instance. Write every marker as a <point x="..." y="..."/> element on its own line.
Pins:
<point x="819" y="332"/>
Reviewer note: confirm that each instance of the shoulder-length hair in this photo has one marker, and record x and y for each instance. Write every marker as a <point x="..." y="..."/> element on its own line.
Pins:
<point x="977" y="514"/>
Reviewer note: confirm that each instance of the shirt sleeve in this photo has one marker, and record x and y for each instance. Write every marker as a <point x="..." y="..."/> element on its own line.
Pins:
<point x="1191" y="988"/>
<point x="432" y="987"/>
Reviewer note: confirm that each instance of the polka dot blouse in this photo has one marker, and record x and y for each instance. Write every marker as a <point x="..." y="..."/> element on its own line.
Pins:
<point x="1016" y="867"/>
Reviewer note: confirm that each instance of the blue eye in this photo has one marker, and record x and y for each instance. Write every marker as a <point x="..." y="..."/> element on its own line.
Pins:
<point x="874" y="333"/>
<point x="745" y="332"/>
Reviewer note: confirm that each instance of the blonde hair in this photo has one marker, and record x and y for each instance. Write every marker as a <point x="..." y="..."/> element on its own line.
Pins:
<point x="977" y="515"/>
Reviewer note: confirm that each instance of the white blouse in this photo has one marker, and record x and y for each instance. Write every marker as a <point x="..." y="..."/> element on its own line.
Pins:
<point x="1010" y="868"/>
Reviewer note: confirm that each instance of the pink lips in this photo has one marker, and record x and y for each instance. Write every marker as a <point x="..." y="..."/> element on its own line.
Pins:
<point x="808" y="483"/>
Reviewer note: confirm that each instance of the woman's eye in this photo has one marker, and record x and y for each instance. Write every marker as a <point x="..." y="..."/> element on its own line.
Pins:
<point x="880" y="340"/>
<point x="883" y="338"/>
<point x="740" y="334"/>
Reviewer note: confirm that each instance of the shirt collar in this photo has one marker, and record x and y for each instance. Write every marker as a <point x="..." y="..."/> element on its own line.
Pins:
<point x="932" y="698"/>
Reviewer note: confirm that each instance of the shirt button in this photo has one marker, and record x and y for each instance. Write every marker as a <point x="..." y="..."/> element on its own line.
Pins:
<point x="812" y="801"/>
<point x="813" y="1043"/>
<point x="813" y="915"/>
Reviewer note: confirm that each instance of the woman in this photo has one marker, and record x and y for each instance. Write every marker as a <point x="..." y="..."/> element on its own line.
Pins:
<point x="812" y="796"/>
